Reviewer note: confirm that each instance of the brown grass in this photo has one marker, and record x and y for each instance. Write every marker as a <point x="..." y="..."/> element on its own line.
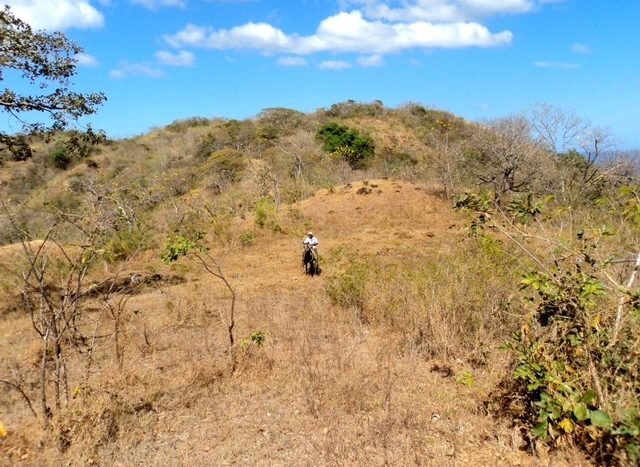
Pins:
<point x="325" y="389"/>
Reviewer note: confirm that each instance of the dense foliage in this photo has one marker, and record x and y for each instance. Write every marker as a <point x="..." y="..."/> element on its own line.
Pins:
<point x="576" y="370"/>
<point x="348" y="144"/>
<point x="42" y="60"/>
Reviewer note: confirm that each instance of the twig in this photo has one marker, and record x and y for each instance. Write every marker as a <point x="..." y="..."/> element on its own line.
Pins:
<point x="621" y="302"/>
<point x="26" y="398"/>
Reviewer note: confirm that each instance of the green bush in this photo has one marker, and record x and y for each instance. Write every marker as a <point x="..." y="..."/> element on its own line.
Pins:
<point x="247" y="239"/>
<point x="573" y="376"/>
<point x="347" y="288"/>
<point x="348" y="144"/>
<point x="576" y="374"/>
<point x="60" y="159"/>
<point x="180" y="245"/>
<point x="125" y="243"/>
<point x="266" y="214"/>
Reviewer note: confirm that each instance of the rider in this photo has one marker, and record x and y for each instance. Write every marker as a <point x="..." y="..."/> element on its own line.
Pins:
<point x="312" y="242"/>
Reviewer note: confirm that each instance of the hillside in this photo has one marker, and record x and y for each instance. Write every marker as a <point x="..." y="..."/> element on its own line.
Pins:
<point x="156" y="309"/>
<point x="325" y="388"/>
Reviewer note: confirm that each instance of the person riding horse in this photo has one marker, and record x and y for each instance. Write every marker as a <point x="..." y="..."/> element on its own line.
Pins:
<point x="310" y="254"/>
<point x="311" y="242"/>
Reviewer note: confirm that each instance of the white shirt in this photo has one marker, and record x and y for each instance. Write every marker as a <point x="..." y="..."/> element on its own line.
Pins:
<point x="313" y="241"/>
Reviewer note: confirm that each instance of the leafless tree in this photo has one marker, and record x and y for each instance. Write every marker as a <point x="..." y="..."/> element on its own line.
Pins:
<point x="558" y="131"/>
<point x="54" y="290"/>
<point x="503" y="156"/>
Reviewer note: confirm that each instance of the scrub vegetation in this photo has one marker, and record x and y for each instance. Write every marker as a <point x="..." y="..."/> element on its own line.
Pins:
<point x="479" y="302"/>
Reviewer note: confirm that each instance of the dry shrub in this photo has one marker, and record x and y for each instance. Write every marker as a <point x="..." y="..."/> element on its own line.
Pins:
<point x="446" y="305"/>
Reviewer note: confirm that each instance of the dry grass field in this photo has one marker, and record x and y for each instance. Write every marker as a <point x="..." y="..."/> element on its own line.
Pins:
<point x="326" y="386"/>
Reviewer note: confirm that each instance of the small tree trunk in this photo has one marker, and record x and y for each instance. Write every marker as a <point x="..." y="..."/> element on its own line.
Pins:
<point x="46" y="412"/>
<point x="620" y="310"/>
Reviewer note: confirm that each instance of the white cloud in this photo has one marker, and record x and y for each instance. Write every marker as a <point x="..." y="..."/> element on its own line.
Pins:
<point x="334" y="65"/>
<point x="371" y="61"/>
<point x="57" y="14"/>
<point x="136" y="69"/>
<point x="557" y="65"/>
<point x="182" y="58"/>
<point x="343" y="32"/>
<point x="87" y="60"/>
<point x="580" y="49"/>
<point x="117" y="74"/>
<point x="155" y="4"/>
<point x="443" y="10"/>
<point x="291" y="61"/>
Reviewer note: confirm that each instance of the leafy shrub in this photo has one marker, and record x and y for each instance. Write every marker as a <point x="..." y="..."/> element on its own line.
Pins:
<point x="266" y="214"/>
<point x="247" y="239"/>
<point x="576" y="366"/>
<point x="524" y="208"/>
<point x="348" y="144"/>
<point x="347" y="288"/>
<point x="125" y="243"/>
<point x="179" y="245"/>
<point x="258" y="338"/>
<point x="60" y="159"/>
<point x="572" y="375"/>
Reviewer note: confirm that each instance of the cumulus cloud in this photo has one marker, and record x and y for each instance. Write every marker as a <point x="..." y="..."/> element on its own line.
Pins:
<point x="182" y="58"/>
<point x="344" y="32"/>
<point x="156" y="4"/>
<point x="291" y="61"/>
<point x="136" y="69"/>
<point x="87" y="60"/>
<point x="371" y="61"/>
<point x="557" y="65"/>
<point x="334" y="65"/>
<point x="57" y="14"/>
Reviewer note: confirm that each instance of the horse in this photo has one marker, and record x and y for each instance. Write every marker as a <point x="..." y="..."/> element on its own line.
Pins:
<point x="310" y="263"/>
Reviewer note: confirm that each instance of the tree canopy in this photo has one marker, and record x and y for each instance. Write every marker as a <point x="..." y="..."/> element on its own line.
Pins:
<point x="348" y="143"/>
<point x="40" y="66"/>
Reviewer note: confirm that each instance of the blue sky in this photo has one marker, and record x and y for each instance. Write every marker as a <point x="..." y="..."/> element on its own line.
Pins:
<point x="162" y="60"/>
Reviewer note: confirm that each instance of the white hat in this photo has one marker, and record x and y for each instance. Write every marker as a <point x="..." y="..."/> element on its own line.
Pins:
<point x="310" y="233"/>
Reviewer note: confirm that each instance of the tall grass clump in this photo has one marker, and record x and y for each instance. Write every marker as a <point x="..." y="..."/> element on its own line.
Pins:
<point x="446" y="304"/>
